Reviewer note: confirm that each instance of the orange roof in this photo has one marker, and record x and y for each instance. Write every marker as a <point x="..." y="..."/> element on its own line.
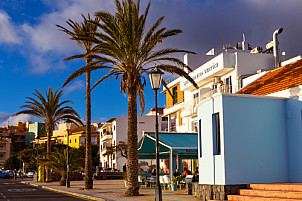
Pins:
<point x="279" y="79"/>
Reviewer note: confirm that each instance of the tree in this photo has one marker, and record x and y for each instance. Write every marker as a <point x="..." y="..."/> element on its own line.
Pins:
<point x="51" y="110"/>
<point x="129" y="53"/>
<point x="85" y="29"/>
<point x="12" y="163"/>
<point x="57" y="160"/>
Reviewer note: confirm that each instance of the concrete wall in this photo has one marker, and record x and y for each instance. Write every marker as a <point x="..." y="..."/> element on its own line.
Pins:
<point x="255" y="140"/>
<point x="144" y="123"/>
<point x="249" y="63"/>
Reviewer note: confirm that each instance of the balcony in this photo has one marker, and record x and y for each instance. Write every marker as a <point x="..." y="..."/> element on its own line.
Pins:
<point x="106" y="136"/>
<point x="189" y="108"/>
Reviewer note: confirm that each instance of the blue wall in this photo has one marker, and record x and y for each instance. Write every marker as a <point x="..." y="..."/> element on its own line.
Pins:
<point x="294" y="127"/>
<point x="255" y="140"/>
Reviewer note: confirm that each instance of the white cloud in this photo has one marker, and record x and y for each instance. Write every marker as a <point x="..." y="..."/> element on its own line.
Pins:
<point x="8" y="33"/>
<point x="13" y="120"/>
<point x="45" y="36"/>
<point x="99" y="120"/>
<point x="77" y="85"/>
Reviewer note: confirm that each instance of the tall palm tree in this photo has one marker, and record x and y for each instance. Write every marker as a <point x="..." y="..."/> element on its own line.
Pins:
<point x="57" y="160"/>
<point x="50" y="110"/>
<point x="78" y="31"/>
<point x="130" y="53"/>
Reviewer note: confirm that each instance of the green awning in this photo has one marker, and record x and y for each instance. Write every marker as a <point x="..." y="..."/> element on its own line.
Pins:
<point x="180" y="143"/>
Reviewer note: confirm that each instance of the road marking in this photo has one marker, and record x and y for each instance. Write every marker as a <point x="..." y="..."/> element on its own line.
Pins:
<point x="8" y="183"/>
<point x="4" y="197"/>
<point x="22" y="190"/>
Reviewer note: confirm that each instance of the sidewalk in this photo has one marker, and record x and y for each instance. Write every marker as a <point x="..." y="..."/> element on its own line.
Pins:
<point x="109" y="190"/>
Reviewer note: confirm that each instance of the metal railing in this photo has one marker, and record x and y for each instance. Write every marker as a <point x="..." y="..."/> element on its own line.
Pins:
<point x="189" y="107"/>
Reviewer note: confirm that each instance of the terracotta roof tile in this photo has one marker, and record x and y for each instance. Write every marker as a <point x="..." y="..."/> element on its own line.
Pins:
<point x="279" y="79"/>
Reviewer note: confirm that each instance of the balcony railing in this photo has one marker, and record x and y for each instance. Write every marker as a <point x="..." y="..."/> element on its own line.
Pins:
<point x="189" y="108"/>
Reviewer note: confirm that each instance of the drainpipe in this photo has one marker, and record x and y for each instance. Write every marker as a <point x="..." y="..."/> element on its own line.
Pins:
<point x="276" y="47"/>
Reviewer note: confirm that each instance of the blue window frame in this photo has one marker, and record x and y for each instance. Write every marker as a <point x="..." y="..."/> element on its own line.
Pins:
<point x="216" y="134"/>
<point x="199" y="135"/>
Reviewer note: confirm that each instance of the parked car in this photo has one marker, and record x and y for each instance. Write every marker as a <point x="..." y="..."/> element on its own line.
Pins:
<point x="4" y="175"/>
<point x="29" y="174"/>
<point x="10" y="172"/>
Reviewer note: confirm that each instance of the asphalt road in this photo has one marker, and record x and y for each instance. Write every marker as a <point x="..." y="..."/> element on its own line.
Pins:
<point x="12" y="190"/>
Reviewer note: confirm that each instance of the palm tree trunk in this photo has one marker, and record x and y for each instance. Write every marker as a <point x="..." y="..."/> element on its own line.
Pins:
<point x="63" y="181"/>
<point x="88" y="159"/>
<point x="132" y="171"/>
<point x="48" y="173"/>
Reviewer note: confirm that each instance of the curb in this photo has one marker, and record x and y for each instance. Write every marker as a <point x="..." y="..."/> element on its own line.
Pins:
<point x="65" y="192"/>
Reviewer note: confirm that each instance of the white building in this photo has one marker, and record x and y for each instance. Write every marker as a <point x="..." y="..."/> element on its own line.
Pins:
<point x="220" y="70"/>
<point x="114" y="131"/>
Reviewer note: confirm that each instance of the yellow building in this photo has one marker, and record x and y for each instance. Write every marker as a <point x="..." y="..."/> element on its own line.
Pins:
<point x="173" y="105"/>
<point x="77" y="136"/>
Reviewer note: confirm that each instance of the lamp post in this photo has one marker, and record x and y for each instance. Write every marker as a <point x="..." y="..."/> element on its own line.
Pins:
<point x="155" y="76"/>
<point x="68" y="125"/>
<point x="37" y="143"/>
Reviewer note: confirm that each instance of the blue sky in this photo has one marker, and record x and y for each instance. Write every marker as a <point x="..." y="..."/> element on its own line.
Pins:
<point x="32" y="48"/>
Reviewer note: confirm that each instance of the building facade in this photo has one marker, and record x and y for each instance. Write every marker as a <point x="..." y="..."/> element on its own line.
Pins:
<point x="77" y="136"/>
<point x="114" y="132"/>
<point x="253" y="136"/>
<point x="220" y="70"/>
<point x="5" y="150"/>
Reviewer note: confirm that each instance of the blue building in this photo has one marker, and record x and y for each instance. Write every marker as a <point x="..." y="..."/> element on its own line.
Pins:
<point x="254" y="136"/>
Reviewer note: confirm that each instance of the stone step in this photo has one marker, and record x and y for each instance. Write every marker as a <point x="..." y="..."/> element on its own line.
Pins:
<point x="271" y="193"/>
<point x="278" y="186"/>
<point x="257" y="198"/>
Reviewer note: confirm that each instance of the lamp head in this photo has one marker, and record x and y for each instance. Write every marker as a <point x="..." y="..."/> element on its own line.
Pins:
<point x="68" y="124"/>
<point x="155" y="76"/>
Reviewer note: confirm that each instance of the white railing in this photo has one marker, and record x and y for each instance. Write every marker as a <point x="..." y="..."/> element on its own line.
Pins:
<point x="189" y="108"/>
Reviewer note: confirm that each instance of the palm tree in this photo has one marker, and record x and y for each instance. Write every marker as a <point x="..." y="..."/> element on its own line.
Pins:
<point x="57" y="161"/>
<point x="51" y="110"/>
<point x="130" y="53"/>
<point x="85" y="29"/>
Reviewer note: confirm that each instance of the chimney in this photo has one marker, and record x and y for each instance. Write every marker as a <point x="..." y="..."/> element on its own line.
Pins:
<point x="276" y="47"/>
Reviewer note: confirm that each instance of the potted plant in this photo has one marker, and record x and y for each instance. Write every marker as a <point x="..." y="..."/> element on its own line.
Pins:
<point x="174" y="184"/>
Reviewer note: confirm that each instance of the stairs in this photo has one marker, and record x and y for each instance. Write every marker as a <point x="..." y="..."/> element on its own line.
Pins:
<point x="269" y="192"/>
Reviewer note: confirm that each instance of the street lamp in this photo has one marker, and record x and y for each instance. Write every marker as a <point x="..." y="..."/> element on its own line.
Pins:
<point x="68" y="126"/>
<point x="155" y="76"/>
<point x="37" y="143"/>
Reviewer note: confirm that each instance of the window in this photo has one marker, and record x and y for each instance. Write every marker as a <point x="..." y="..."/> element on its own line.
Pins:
<point x="75" y="140"/>
<point x="114" y="128"/>
<point x="195" y="126"/>
<point x="196" y="98"/>
<point x="22" y="137"/>
<point x="174" y="93"/>
<point x="199" y="135"/>
<point x="164" y="118"/>
<point x="216" y="134"/>
<point x="228" y="85"/>
<point x="70" y="141"/>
